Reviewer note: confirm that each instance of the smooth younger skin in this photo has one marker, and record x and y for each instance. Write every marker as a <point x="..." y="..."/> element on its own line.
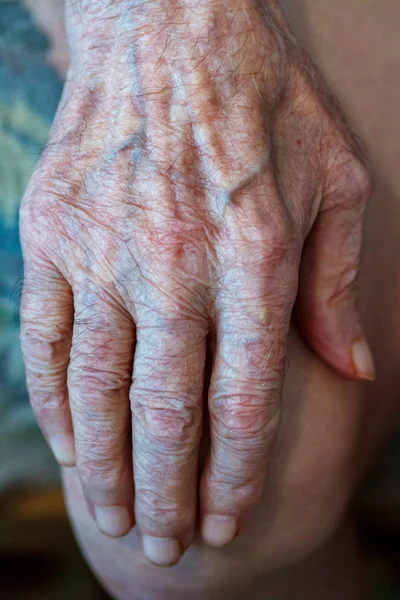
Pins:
<point x="199" y="177"/>
<point x="331" y="429"/>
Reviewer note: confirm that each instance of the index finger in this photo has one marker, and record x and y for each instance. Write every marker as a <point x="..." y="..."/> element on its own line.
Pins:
<point x="245" y="398"/>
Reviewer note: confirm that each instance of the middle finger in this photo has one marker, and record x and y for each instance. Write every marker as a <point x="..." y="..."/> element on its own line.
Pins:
<point x="166" y="401"/>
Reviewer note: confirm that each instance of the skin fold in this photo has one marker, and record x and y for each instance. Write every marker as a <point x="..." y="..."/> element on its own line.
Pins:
<point x="199" y="179"/>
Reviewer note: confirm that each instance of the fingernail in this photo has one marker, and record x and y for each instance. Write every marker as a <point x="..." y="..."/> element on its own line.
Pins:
<point x="362" y="360"/>
<point x="163" y="552"/>
<point x="63" y="449"/>
<point x="218" y="530"/>
<point x="114" y="521"/>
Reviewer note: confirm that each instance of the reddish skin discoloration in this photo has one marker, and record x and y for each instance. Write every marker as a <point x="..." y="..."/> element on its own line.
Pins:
<point x="169" y="206"/>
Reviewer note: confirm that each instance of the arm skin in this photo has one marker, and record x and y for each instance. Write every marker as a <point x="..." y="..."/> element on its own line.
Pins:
<point x="199" y="178"/>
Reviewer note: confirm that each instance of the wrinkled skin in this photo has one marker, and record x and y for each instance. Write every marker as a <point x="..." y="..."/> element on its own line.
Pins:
<point x="199" y="178"/>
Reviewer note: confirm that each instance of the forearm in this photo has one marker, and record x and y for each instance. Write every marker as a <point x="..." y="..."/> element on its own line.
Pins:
<point x="161" y="13"/>
<point x="173" y="31"/>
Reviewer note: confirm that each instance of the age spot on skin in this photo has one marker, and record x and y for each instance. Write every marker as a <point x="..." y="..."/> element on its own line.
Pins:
<point x="265" y="315"/>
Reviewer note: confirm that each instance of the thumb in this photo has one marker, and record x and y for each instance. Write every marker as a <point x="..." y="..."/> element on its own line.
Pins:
<point x="326" y="308"/>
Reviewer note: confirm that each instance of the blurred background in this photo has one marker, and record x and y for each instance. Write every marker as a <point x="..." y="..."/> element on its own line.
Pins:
<point x="38" y="555"/>
<point x="39" y="558"/>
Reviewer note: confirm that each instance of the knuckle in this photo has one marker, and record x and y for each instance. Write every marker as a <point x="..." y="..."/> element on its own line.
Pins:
<point x="93" y="386"/>
<point x="361" y="179"/>
<point x="280" y="245"/>
<point x="104" y="323"/>
<point x="45" y="401"/>
<point x="155" y="508"/>
<point x="36" y="221"/>
<point x="274" y="231"/>
<point x="46" y="353"/>
<point x="278" y="234"/>
<point x="250" y="418"/>
<point x="97" y="372"/>
<point x="174" y="423"/>
<point x="50" y="408"/>
<point x="40" y="344"/>
<point x="353" y="178"/>
<point x="98" y="473"/>
<point x="272" y="251"/>
<point x="101" y="354"/>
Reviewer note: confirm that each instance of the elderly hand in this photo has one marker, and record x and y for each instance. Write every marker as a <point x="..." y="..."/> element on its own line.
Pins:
<point x="198" y="178"/>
